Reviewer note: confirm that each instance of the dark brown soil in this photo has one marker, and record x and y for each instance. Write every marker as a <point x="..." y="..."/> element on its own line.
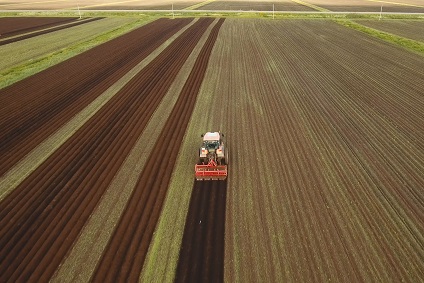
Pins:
<point x="125" y="253"/>
<point x="18" y="25"/>
<point x="43" y="216"/>
<point x="202" y="251"/>
<point x="36" y="107"/>
<point x="44" y="31"/>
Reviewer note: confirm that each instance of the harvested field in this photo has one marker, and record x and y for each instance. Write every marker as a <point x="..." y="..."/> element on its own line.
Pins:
<point x="98" y="5"/>
<point x="408" y="29"/>
<point x="326" y="137"/>
<point x="257" y="5"/>
<point x="402" y="6"/>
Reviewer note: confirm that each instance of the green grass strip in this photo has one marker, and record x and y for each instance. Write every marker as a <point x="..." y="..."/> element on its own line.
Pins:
<point x="20" y="72"/>
<point x="410" y="44"/>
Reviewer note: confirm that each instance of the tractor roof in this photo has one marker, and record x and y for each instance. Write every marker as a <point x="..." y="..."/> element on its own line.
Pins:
<point x="211" y="136"/>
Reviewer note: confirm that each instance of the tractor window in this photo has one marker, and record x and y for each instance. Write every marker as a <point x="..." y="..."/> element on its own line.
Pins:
<point x="211" y="145"/>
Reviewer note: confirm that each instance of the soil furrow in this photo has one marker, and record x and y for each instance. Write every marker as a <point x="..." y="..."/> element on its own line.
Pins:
<point x="202" y="251"/>
<point x="33" y="34"/>
<point x="68" y="182"/>
<point x="128" y="246"/>
<point x="11" y="26"/>
<point x="32" y="110"/>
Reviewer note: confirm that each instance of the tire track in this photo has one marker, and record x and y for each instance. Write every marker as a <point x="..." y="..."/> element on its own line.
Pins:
<point x="202" y="251"/>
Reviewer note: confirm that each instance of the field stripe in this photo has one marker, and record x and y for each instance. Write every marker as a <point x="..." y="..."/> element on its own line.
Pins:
<point x="45" y="31"/>
<point x="125" y="253"/>
<point x="107" y="213"/>
<point x="42" y="152"/>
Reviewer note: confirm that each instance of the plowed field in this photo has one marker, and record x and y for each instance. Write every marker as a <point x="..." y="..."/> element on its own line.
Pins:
<point x="326" y="137"/>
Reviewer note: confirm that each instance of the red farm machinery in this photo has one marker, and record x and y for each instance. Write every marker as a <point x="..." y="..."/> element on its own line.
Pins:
<point x="213" y="158"/>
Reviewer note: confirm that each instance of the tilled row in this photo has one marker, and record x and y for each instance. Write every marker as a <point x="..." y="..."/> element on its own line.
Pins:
<point x="127" y="249"/>
<point x="202" y="251"/>
<point x="36" y="107"/>
<point x="44" y="31"/>
<point x="44" y="215"/>
<point x="11" y="26"/>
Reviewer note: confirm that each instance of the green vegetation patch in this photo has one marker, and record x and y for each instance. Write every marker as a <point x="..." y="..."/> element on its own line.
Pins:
<point x="410" y="44"/>
<point x="28" y="68"/>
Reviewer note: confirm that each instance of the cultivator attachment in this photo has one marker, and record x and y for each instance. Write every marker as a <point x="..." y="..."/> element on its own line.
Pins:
<point x="211" y="171"/>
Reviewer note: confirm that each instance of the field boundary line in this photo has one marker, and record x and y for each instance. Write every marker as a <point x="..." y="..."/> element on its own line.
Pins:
<point x="113" y="202"/>
<point x="11" y="179"/>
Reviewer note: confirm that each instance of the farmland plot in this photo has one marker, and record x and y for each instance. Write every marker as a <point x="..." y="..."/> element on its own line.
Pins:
<point x="264" y="5"/>
<point x="409" y="29"/>
<point x="325" y="128"/>
<point x="16" y="53"/>
<point x="13" y="26"/>
<point x="97" y="4"/>
<point x="404" y="6"/>
<point x="330" y="188"/>
<point x="153" y="35"/>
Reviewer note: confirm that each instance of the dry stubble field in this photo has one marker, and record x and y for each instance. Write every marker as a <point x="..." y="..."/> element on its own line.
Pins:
<point x="325" y="130"/>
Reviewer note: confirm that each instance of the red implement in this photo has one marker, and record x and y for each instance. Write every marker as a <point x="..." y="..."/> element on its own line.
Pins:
<point x="211" y="171"/>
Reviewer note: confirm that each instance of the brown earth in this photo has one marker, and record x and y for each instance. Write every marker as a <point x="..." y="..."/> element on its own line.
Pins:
<point x="325" y="181"/>
<point x="54" y="202"/>
<point x="13" y="26"/>
<point x="51" y="104"/>
<point x="125" y="254"/>
<point x="202" y="249"/>
<point x="286" y="5"/>
<point x="59" y="26"/>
